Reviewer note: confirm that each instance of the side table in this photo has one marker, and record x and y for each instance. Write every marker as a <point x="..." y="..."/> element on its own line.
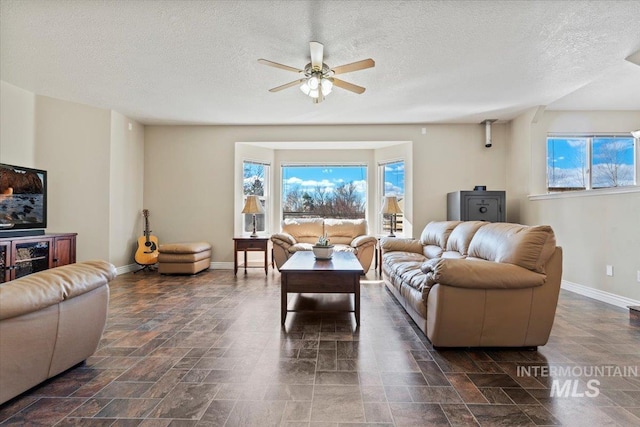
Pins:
<point x="249" y="244"/>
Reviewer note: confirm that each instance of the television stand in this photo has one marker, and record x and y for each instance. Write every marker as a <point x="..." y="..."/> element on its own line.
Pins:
<point x="21" y="256"/>
<point x="20" y="233"/>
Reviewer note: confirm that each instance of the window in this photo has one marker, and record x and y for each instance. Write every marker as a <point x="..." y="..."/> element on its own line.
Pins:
<point x="589" y="162"/>
<point x="324" y="191"/>
<point x="393" y="185"/>
<point x="255" y="182"/>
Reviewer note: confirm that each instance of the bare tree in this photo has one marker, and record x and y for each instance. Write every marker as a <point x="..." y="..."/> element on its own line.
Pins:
<point x="610" y="171"/>
<point x="253" y="179"/>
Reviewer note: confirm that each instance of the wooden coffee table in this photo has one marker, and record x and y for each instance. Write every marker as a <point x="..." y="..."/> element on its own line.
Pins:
<point x="302" y="273"/>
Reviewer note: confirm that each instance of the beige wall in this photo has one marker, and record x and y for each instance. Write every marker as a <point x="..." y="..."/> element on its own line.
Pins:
<point x="594" y="229"/>
<point x="17" y="128"/>
<point x="126" y="176"/>
<point x="72" y="144"/>
<point x="190" y="172"/>
<point x="94" y="164"/>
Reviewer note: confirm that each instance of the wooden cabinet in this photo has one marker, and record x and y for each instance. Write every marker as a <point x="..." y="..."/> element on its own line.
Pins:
<point x="21" y="256"/>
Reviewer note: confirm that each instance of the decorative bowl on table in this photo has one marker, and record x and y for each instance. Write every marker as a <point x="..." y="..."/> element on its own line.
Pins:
<point x="322" y="252"/>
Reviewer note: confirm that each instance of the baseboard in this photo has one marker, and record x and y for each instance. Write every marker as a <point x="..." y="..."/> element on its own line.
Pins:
<point x="214" y="266"/>
<point x="221" y="266"/>
<point x="126" y="269"/>
<point x="599" y="295"/>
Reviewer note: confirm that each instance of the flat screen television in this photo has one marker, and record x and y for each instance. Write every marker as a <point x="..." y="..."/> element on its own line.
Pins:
<point x="23" y="198"/>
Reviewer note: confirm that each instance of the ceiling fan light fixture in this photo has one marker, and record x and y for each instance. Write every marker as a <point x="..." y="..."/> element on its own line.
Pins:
<point x="317" y="79"/>
<point x="313" y="82"/>
<point x="304" y="87"/>
<point x="326" y="85"/>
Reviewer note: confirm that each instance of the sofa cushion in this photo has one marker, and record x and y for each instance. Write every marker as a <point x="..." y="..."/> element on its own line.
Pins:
<point x="343" y="231"/>
<point x="461" y="236"/>
<point x="437" y="233"/>
<point x="300" y="247"/>
<point x="528" y="247"/>
<point x="432" y="251"/>
<point x="479" y="274"/>
<point x="304" y="230"/>
<point x="407" y="267"/>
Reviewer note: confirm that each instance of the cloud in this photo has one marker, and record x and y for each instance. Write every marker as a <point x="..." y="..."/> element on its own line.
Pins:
<point x="392" y="190"/>
<point x="361" y="186"/>
<point x="294" y="180"/>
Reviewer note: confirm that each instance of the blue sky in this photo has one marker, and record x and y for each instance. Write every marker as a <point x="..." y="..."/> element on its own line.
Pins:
<point x="329" y="177"/>
<point x="612" y="162"/>
<point x="309" y="177"/>
<point x="563" y="152"/>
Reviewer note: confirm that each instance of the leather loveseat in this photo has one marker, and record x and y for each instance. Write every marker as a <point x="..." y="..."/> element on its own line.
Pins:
<point x="300" y="234"/>
<point x="477" y="284"/>
<point x="49" y="322"/>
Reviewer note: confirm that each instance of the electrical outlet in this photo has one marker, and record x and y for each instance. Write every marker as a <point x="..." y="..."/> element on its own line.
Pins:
<point x="638" y="276"/>
<point x="609" y="270"/>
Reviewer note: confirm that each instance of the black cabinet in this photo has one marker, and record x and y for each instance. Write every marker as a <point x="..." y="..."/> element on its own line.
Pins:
<point x="476" y="206"/>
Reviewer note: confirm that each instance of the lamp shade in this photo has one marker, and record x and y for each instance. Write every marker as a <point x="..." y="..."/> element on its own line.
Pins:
<point x="252" y="206"/>
<point x="390" y="205"/>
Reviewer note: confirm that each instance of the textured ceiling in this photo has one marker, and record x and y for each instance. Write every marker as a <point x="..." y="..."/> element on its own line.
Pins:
<point x="195" y="62"/>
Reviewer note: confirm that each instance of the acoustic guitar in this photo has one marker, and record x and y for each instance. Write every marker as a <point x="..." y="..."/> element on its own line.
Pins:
<point x="147" y="252"/>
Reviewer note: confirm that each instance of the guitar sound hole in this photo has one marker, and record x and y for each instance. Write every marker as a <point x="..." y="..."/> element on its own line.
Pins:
<point x="148" y="243"/>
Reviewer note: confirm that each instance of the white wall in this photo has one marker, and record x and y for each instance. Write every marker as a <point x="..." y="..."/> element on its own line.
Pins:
<point x="190" y="172"/>
<point x="17" y="127"/>
<point x="594" y="229"/>
<point x="126" y="176"/>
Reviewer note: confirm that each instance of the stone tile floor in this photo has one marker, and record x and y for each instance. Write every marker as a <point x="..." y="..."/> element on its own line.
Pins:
<point x="208" y="350"/>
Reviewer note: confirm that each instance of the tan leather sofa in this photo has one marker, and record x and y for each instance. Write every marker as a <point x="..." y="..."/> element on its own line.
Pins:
<point x="300" y="234"/>
<point x="477" y="284"/>
<point x="49" y="322"/>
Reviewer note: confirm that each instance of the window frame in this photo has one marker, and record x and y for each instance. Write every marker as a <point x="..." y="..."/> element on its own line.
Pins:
<point x="589" y="159"/>
<point x="264" y="199"/>
<point x="381" y="178"/>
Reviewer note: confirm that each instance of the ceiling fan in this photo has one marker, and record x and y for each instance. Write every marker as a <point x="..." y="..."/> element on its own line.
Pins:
<point x="318" y="80"/>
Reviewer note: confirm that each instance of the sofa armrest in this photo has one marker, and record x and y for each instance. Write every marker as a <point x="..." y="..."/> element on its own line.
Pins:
<point x="365" y="240"/>
<point x="480" y="274"/>
<point x="389" y="244"/>
<point x="283" y="239"/>
<point x="45" y="288"/>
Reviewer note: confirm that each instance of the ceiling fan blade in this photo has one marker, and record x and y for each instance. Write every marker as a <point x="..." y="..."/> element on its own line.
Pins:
<point x="354" y="66"/>
<point x="348" y="86"/>
<point x="281" y="66"/>
<point x="288" y="85"/>
<point x="317" y="51"/>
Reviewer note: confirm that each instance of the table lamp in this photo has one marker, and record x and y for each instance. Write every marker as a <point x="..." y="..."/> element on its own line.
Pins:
<point x="253" y="206"/>
<point x="391" y="207"/>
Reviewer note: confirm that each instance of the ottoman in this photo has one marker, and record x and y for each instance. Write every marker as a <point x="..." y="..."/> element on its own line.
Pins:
<point x="184" y="258"/>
